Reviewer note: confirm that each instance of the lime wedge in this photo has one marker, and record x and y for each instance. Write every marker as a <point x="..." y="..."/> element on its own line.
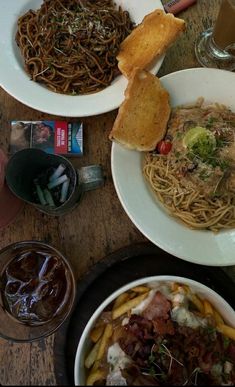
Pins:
<point x="193" y="135"/>
<point x="200" y="141"/>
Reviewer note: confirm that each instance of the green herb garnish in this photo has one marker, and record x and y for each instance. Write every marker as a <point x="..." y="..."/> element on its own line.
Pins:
<point x="226" y="342"/>
<point x="205" y="174"/>
<point x="210" y="122"/>
<point x="200" y="141"/>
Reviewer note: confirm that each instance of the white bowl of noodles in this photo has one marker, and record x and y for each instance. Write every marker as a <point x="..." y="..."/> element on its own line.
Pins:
<point x="189" y="304"/>
<point x="15" y="80"/>
<point x="140" y="203"/>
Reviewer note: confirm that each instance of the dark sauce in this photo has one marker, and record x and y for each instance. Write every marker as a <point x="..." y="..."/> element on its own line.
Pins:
<point x="34" y="287"/>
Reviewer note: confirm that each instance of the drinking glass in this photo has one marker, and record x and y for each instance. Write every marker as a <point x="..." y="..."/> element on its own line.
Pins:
<point x="37" y="290"/>
<point x="215" y="47"/>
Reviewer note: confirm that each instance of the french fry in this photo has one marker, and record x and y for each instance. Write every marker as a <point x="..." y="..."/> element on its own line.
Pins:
<point x="96" y="333"/>
<point x="92" y="356"/>
<point x="226" y="330"/>
<point x="186" y="288"/>
<point x="198" y="303"/>
<point x="208" y="309"/>
<point x="95" y="376"/>
<point x="140" y="289"/>
<point x="96" y="365"/>
<point x="122" y="309"/>
<point x="174" y="286"/>
<point x="218" y="318"/>
<point x="120" y="300"/>
<point x="104" y="340"/>
<point x="177" y="287"/>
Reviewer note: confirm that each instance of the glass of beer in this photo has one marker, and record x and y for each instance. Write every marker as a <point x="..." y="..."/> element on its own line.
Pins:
<point x="215" y="47"/>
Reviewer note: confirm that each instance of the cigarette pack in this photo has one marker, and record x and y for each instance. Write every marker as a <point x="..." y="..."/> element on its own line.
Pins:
<point x="56" y="137"/>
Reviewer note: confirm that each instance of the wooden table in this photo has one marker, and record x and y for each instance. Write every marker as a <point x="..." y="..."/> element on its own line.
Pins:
<point x="99" y="225"/>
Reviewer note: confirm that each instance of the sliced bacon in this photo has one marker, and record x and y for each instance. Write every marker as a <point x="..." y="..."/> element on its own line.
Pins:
<point x="140" y="327"/>
<point x="158" y="307"/>
<point x="231" y="352"/>
<point x="207" y="362"/>
<point x="163" y="327"/>
<point x="135" y="377"/>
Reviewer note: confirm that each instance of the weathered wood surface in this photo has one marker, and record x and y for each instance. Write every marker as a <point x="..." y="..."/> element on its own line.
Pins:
<point x="99" y="225"/>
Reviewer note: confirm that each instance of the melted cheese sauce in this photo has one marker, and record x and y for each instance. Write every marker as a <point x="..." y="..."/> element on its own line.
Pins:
<point x="184" y="317"/>
<point x="143" y="305"/>
<point x="118" y="360"/>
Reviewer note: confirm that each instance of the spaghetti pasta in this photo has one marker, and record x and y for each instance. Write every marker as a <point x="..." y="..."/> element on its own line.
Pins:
<point x="195" y="181"/>
<point x="70" y="46"/>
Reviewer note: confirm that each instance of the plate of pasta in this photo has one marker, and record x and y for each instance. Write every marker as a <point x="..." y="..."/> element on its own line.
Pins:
<point x="181" y="196"/>
<point x="60" y="56"/>
<point x="159" y="330"/>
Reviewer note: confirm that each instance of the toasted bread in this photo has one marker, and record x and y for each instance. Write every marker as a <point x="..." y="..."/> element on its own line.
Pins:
<point x="148" y="41"/>
<point x="142" y="117"/>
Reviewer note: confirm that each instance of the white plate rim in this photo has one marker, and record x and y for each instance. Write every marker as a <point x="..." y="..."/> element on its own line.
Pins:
<point x="222" y="245"/>
<point x="15" y="81"/>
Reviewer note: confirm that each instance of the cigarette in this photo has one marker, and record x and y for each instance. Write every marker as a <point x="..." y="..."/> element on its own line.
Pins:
<point x="57" y="182"/>
<point x="58" y="172"/>
<point x="176" y="6"/>
<point x="64" y="191"/>
<point x="40" y="195"/>
<point x="49" y="198"/>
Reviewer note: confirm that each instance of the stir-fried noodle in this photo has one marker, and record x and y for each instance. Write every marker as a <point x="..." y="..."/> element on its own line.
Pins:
<point x="71" y="45"/>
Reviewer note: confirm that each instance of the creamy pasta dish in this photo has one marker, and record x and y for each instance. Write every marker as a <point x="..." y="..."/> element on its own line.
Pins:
<point x="192" y="171"/>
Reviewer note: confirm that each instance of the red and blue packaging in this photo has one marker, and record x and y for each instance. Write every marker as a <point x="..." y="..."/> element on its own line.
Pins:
<point x="55" y="137"/>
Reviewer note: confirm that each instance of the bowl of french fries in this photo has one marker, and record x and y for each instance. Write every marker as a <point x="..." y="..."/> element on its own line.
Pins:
<point x="159" y="330"/>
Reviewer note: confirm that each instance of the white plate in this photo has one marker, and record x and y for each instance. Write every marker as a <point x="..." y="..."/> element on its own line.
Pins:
<point x="16" y="82"/>
<point x="200" y="289"/>
<point x="202" y="247"/>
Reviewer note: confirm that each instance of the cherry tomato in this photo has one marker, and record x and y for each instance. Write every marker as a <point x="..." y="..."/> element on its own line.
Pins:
<point x="164" y="147"/>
